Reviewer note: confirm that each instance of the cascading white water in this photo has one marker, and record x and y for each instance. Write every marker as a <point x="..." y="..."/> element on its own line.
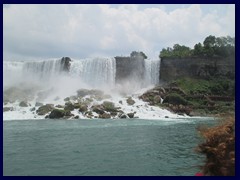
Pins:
<point x="152" y="69"/>
<point x="43" y="69"/>
<point x="96" y="72"/>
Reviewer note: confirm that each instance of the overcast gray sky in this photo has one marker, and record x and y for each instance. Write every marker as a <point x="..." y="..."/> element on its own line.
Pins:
<point x="81" y="31"/>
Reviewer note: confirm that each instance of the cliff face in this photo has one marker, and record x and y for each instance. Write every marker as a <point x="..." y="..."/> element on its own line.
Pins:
<point x="172" y="68"/>
<point x="128" y="68"/>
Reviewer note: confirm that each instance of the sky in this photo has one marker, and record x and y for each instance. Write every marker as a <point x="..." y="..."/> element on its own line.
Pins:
<point x="109" y="30"/>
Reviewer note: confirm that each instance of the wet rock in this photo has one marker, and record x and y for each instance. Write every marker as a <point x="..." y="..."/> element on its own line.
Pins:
<point x="113" y="114"/>
<point x="76" y="117"/>
<point x="105" y="116"/>
<point x="67" y="99"/>
<point x="59" y="106"/>
<point x="122" y="116"/>
<point x="120" y="102"/>
<point x="5" y="109"/>
<point x="130" y="101"/>
<point x="109" y="106"/>
<point x="130" y="115"/>
<point x="83" y="108"/>
<point x="42" y="110"/>
<point x="69" y="106"/>
<point x="82" y="92"/>
<point x="175" y="99"/>
<point x="56" y="113"/>
<point x="23" y="104"/>
<point x="33" y="109"/>
<point x="99" y="109"/>
<point x="157" y="99"/>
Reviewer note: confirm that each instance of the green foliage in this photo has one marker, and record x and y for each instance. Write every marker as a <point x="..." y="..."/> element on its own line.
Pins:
<point x="212" y="46"/>
<point x="138" y="54"/>
<point x="201" y="86"/>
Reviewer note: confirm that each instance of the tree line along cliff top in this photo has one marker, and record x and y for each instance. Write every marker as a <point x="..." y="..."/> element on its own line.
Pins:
<point x="211" y="47"/>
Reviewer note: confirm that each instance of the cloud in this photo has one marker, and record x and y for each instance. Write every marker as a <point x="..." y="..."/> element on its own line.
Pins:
<point x="79" y="31"/>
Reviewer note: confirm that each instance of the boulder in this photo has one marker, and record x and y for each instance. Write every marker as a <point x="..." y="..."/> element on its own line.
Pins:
<point x="157" y="99"/>
<point x="33" y="109"/>
<point x="105" y="116"/>
<point x="130" y="101"/>
<point x="109" y="106"/>
<point x="59" y="106"/>
<point x="67" y="99"/>
<point x="56" y="113"/>
<point x="130" y="115"/>
<point x="82" y="92"/>
<point x="83" y="108"/>
<point x="122" y="116"/>
<point x="69" y="106"/>
<point x="7" y="109"/>
<point x="23" y="104"/>
<point x="99" y="109"/>
<point x="175" y="99"/>
<point x="76" y="117"/>
<point x="42" y="110"/>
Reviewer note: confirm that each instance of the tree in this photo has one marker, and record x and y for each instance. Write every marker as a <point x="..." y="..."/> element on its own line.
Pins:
<point x="138" y="54"/>
<point x="198" y="49"/>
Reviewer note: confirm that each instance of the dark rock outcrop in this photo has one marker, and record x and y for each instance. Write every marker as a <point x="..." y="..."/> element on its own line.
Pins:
<point x="197" y="67"/>
<point x="65" y="62"/>
<point x="130" y="101"/>
<point x="42" y="110"/>
<point x="5" y="109"/>
<point x="23" y="104"/>
<point x="56" y="113"/>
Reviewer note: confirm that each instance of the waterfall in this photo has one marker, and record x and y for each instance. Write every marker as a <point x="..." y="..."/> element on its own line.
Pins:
<point x="43" y="69"/>
<point x="152" y="69"/>
<point x="96" y="72"/>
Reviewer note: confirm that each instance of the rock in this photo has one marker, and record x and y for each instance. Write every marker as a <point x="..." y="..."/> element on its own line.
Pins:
<point x="157" y="99"/>
<point x="59" y="106"/>
<point x="120" y="102"/>
<point x="76" y="117"/>
<point x="38" y="104"/>
<point x="76" y="105"/>
<point x="33" y="109"/>
<point x="113" y="113"/>
<point x="65" y="64"/>
<point x="105" y="116"/>
<point x="98" y="109"/>
<point x="5" y="109"/>
<point x="23" y="104"/>
<point x="122" y="116"/>
<point x="67" y="99"/>
<point x="82" y="92"/>
<point x="69" y="106"/>
<point x="42" y="110"/>
<point x="68" y="113"/>
<point x="130" y="115"/>
<point x="166" y="117"/>
<point x="83" y="108"/>
<point x="74" y="98"/>
<point x="175" y="99"/>
<point x="109" y="106"/>
<point x="130" y="101"/>
<point x="56" y="113"/>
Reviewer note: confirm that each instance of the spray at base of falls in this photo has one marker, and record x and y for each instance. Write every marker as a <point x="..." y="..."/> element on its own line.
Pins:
<point x="49" y="83"/>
